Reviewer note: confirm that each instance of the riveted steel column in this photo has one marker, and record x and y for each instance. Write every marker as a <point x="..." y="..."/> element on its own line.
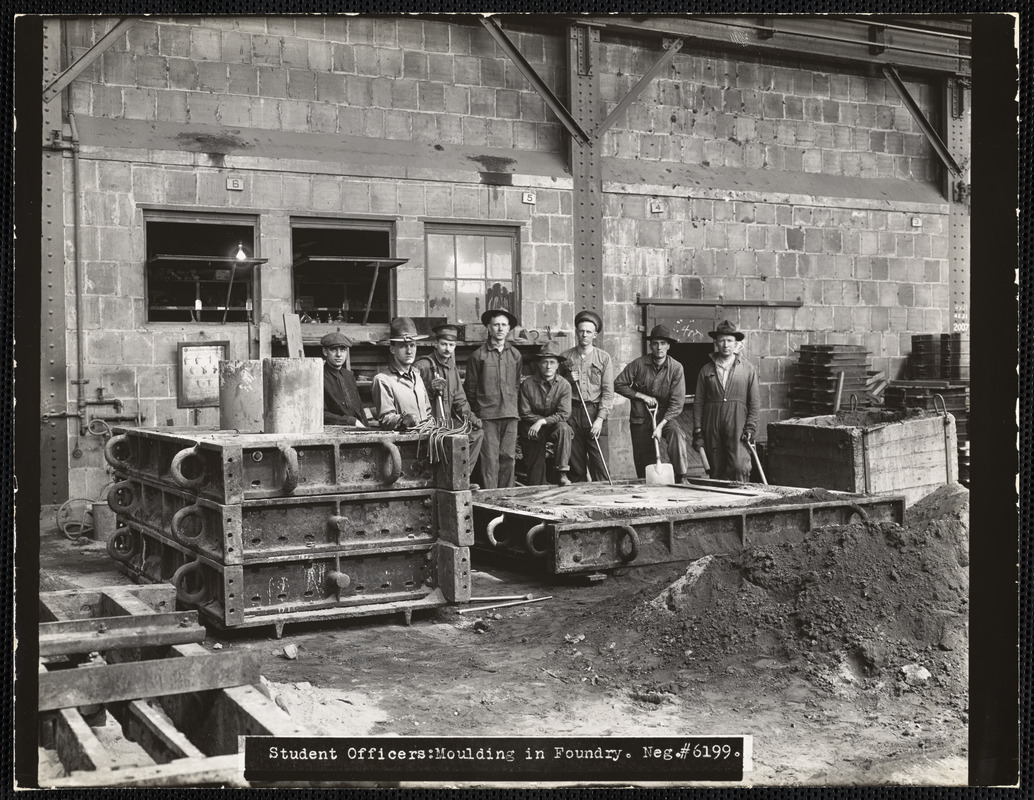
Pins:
<point x="53" y="373"/>
<point x="957" y="138"/>
<point x="586" y="169"/>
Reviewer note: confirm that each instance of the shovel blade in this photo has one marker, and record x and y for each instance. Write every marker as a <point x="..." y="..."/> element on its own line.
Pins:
<point x="660" y="475"/>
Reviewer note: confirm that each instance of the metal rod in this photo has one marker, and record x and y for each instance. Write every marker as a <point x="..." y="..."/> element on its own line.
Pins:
<point x="373" y="287"/>
<point x="917" y="114"/>
<point x="528" y="71"/>
<point x="636" y="90"/>
<point x="501" y="598"/>
<point x="87" y="58"/>
<point x="503" y="605"/>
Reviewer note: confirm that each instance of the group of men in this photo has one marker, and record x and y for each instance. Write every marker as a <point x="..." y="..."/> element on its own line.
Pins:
<point x="566" y="401"/>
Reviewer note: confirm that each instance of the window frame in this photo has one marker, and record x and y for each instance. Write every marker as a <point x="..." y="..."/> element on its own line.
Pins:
<point x="497" y="229"/>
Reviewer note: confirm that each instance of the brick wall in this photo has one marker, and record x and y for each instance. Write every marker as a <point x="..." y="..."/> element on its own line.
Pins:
<point x="777" y="182"/>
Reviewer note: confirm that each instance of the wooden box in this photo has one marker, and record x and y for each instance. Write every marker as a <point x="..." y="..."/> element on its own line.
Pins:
<point x="904" y="452"/>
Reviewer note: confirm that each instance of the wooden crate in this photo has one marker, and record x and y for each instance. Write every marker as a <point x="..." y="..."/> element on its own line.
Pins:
<point x="873" y="452"/>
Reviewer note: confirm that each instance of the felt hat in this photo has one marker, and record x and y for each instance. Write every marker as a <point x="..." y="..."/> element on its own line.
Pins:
<point x="492" y="312"/>
<point x="446" y="331"/>
<point x="589" y="316"/>
<point x="551" y="349"/>
<point x="726" y="328"/>
<point x="403" y="329"/>
<point x="662" y="332"/>
<point x="335" y="339"/>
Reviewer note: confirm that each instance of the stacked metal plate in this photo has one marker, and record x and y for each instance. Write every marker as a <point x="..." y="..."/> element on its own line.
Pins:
<point x="818" y="378"/>
<point x="943" y="396"/>
<point x="955" y="357"/>
<point x="925" y="362"/>
<point x="257" y="529"/>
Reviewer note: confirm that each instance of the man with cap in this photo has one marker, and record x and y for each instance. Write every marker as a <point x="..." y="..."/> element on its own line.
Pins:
<point x="341" y="403"/>
<point x="400" y="399"/>
<point x="442" y="381"/>
<point x="545" y="406"/>
<point x="493" y="377"/>
<point x="591" y="373"/>
<point x="657" y="383"/>
<point x="725" y="410"/>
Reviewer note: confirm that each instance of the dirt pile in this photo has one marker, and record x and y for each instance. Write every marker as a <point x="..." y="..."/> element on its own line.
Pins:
<point x="865" y="605"/>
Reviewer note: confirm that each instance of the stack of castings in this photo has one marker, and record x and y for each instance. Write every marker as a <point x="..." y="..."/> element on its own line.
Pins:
<point x="939" y="356"/>
<point x="829" y="375"/>
<point x="264" y="529"/>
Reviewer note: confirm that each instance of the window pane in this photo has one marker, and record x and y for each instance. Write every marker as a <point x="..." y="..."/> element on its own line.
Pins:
<point x="499" y="257"/>
<point x="470" y="301"/>
<point x="441" y="298"/>
<point x="441" y="260"/>
<point x="470" y="257"/>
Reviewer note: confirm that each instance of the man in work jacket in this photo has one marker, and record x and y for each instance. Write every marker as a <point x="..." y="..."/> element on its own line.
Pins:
<point x="656" y="382"/>
<point x="442" y="379"/>
<point x="591" y="373"/>
<point x="493" y="378"/>
<point x="400" y="399"/>
<point x="341" y="402"/>
<point x="545" y="406"/>
<point x="725" y="411"/>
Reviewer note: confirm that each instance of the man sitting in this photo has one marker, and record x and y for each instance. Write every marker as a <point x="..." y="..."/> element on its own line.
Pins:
<point x="341" y="403"/>
<point x="544" y="405"/>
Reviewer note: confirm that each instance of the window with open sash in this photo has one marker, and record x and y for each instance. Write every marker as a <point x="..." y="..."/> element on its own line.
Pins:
<point x="200" y="268"/>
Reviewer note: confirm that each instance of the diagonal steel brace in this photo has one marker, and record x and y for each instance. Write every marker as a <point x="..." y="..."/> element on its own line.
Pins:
<point x="528" y="71"/>
<point x="917" y="114"/>
<point x="636" y="90"/>
<point x="87" y="58"/>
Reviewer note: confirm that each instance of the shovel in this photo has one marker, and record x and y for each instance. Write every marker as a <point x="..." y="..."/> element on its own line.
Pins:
<point x="659" y="474"/>
<point x="757" y="462"/>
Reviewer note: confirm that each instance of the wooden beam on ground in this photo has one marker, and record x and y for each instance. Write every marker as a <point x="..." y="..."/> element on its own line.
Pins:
<point x="143" y="679"/>
<point x="77" y="745"/>
<point x="90" y="603"/>
<point x="212" y="771"/>
<point x="153" y="731"/>
<point x="110" y="633"/>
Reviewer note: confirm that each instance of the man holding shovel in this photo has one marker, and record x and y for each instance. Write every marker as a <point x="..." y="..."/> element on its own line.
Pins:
<point x="591" y="373"/>
<point x="725" y="410"/>
<point x="656" y="385"/>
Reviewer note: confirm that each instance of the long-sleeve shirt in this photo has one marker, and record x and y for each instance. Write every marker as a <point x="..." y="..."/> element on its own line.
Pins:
<point x="341" y="403"/>
<point x="547" y="400"/>
<point x="398" y="393"/>
<point x="454" y="400"/>
<point x="667" y="383"/>
<point x="595" y="378"/>
<point x="493" y="377"/>
<point x="739" y="398"/>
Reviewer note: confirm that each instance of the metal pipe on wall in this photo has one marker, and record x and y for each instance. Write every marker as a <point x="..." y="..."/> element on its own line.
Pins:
<point x="76" y="225"/>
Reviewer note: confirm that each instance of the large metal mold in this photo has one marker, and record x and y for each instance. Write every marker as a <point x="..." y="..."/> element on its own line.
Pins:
<point x="230" y="467"/>
<point x="346" y="584"/>
<point x="278" y="528"/>
<point x="562" y="531"/>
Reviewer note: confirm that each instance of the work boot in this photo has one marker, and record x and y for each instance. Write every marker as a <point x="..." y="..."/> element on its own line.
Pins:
<point x="564" y="480"/>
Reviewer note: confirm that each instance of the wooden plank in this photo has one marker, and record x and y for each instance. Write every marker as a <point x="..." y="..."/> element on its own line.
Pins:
<point x="293" y="332"/>
<point x="153" y="731"/>
<point x="109" y="633"/>
<point x="265" y="340"/>
<point x="77" y="745"/>
<point x="143" y="679"/>
<point x="212" y="771"/>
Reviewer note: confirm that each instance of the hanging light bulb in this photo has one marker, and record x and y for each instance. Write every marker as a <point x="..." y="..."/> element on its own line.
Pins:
<point x="241" y="255"/>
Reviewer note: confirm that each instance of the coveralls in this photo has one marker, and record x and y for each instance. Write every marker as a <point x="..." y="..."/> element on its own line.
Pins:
<point x="596" y="385"/>
<point x="724" y="415"/>
<point x="493" y="377"/>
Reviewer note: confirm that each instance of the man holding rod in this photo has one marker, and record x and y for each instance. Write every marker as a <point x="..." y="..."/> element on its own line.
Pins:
<point x="591" y="373"/>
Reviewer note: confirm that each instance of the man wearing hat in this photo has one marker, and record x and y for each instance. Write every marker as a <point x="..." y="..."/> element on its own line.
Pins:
<point x="493" y="377"/>
<point x="545" y="406"/>
<point x="341" y="403"/>
<point x="656" y="383"/>
<point x="442" y="381"/>
<point x="400" y="398"/>
<point x="725" y="410"/>
<point x="591" y="373"/>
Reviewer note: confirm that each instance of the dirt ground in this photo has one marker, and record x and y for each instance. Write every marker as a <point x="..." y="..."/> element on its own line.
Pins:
<point x="844" y="656"/>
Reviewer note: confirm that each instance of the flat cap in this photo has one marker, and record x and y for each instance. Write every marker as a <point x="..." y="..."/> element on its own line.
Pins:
<point x="335" y="339"/>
